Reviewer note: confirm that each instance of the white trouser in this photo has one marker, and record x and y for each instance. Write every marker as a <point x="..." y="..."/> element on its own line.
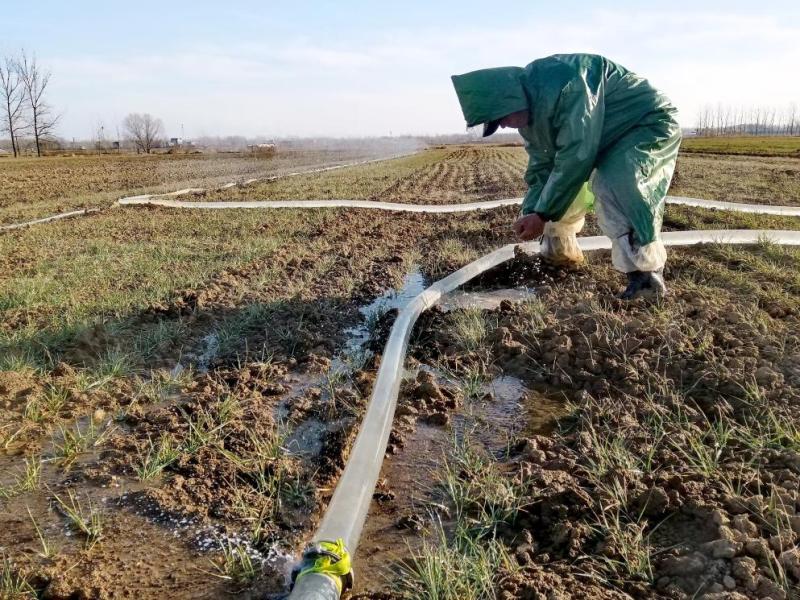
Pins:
<point x="560" y="244"/>
<point x="626" y="254"/>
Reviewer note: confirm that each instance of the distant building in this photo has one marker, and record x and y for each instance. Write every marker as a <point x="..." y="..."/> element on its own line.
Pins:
<point x="262" y="148"/>
<point x="179" y="142"/>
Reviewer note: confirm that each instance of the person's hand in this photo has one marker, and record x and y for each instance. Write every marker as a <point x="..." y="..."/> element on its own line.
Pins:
<point x="529" y="227"/>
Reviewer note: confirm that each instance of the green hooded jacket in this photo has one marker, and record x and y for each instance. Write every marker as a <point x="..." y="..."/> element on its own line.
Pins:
<point x="583" y="108"/>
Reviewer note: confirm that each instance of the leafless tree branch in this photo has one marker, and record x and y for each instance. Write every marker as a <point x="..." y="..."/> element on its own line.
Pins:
<point x="12" y="98"/>
<point x="144" y="130"/>
<point x="34" y="83"/>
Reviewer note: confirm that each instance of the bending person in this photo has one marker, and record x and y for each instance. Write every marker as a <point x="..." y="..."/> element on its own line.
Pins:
<point x="595" y="133"/>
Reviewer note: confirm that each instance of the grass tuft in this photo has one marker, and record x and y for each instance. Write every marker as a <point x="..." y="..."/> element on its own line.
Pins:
<point x="470" y="328"/>
<point x="202" y="430"/>
<point x="12" y="585"/>
<point x="76" y="440"/>
<point x="461" y="569"/>
<point x="237" y="565"/>
<point x="85" y="521"/>
<point x="27" y="482"/>
<point x="157" y="458"/>
<point x="48" y="549"/>
<point x="482" y="497"/>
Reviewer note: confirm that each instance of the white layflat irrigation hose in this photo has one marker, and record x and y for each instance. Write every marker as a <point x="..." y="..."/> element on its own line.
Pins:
<point x="347" y="510"/>
<point x="66" y="215"/>
<point x="763" y="209"/>
<point x="390" y="206"/>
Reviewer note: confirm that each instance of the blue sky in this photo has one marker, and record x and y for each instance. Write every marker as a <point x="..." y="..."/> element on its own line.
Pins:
<point x="371" y="68"/>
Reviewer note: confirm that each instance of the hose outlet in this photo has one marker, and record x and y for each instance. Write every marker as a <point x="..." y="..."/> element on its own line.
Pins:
<point x="327" y="558"/>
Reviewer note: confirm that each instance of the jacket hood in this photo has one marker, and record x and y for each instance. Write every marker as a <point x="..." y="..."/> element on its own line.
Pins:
<point x="489" y="94"/>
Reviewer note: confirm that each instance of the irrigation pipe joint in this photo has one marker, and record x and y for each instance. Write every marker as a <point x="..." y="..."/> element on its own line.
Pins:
<point x="326" y="568"/>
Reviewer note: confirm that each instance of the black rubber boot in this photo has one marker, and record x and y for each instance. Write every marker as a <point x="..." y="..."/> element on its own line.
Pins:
<point x="645" y="283"/>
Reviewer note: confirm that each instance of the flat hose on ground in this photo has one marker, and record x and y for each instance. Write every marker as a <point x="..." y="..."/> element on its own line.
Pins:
<point x="153" y="200"/>
<point x="347" y="510"/>
<point x="142" y="199"/>
<point x="66" y="215"/>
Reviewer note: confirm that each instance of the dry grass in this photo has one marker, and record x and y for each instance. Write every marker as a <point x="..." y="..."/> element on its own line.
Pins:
<point x="759" y="180"/>
<point x="32" y="188"/>
<point x="759" y="145"/>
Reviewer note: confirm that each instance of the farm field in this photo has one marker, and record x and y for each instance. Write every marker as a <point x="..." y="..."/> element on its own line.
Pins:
<point x="179" y="389"/>
<point x="32" y="188"/>
<point x="752" y="179"/>
<point x="764" y="146"/>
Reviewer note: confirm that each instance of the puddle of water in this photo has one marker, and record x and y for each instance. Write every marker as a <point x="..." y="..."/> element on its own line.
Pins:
<point x="515" y="410"/>
<point x="507" y="388"/>
<point x="410" y="475"/>
<point x="413" y="285"/>
<point x="210" y="349"/>
<point x="354" y="352"/>
<point x="200" y="362"/>
<point x="215" y="538"/>
<point x="306" y="438"/>
<point x="486" y="300"/>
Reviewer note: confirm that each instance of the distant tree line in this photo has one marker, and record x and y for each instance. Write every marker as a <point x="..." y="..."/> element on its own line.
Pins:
<point x="143" y="133"/>
<point x="27" y="116"/>
<point x="724" y="119"/>
<point x="23" y="94"/>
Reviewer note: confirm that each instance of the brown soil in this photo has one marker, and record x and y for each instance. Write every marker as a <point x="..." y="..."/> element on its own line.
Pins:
<point x="228" y="487"/>
<point x="205" y="486"/>
<point x="466" y="174"/>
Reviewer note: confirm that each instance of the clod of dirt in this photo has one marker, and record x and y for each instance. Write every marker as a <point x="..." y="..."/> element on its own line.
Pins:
<point x="16" y="386"/>
<point x="412" y="522"/>
<point x="423" y="398"/>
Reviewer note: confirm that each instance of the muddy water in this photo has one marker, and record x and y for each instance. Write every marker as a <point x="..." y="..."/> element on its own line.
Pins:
<point x="134" y="552"/>
<point x="306" y="438"/>
<point x="413" y="285"/>
<point x="510" y="401"/>
<point x="406" y="496"/>
<point x="406" y="481"/>
<point x="486" y="300"/>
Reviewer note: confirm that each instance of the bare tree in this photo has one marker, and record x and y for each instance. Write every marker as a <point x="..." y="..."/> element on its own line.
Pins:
<point x="34" y="84"/>
<point x="144" y="130"/>
<point x="12" y="97"/>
